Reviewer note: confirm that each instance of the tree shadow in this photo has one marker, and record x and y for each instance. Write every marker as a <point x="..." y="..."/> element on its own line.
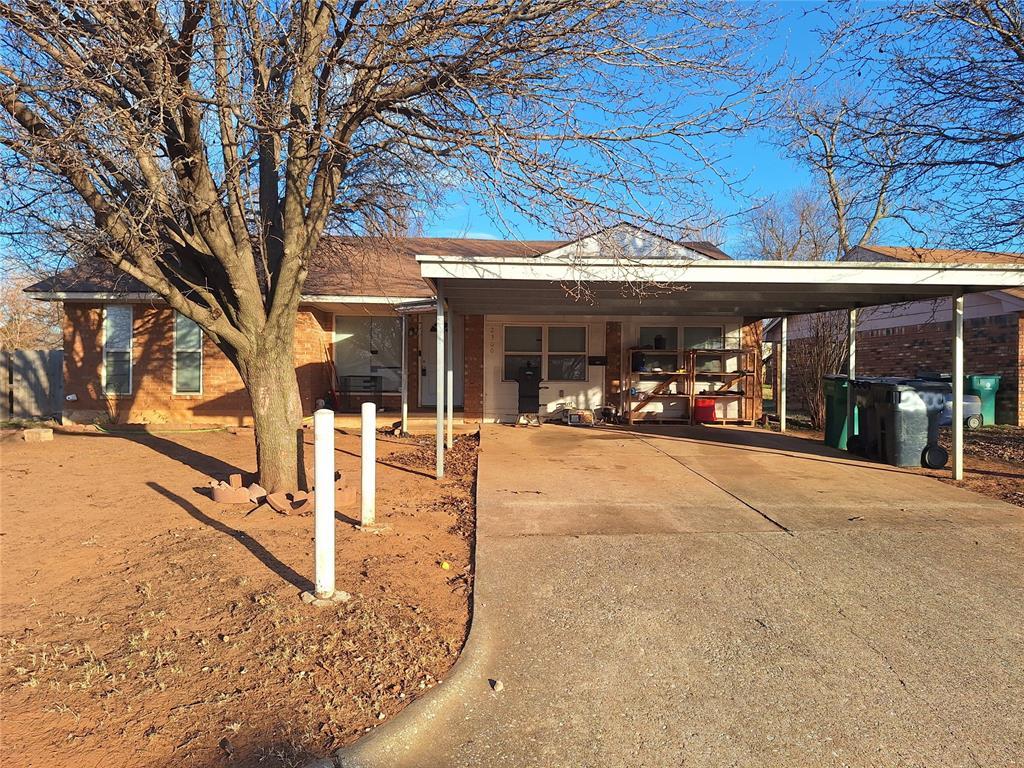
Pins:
<point x="197" y="460"/>
<point x="258" y="551"/>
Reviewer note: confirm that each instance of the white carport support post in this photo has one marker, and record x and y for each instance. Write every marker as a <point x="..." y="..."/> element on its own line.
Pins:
<point x="851" y="353"/>
<point x="783" y="340"/>
<point x="449" y="386"/>
<point x="440" y="396"/>
<point x="405" y="374"/>
<point x="958" y="385"/>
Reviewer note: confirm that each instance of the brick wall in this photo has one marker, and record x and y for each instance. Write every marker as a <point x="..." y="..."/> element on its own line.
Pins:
<point x="613" y="370"/>
<point x="992" y="344"/>
<point x="750" y="338"/>
<point x="473" y="382"/>
<point x="223" y="400"/>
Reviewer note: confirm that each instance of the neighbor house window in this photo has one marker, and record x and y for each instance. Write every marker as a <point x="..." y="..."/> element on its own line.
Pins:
<point x="117" y="349"/>
<point x="188" y="356"/>
<point x="558" y="351"/>
<point x="371" y="347"/>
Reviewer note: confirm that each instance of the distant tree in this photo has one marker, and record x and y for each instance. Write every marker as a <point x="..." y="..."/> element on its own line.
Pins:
<point x="204" y="146"/>
<point x="948" y="83"/>
<point x="25" y="323"/>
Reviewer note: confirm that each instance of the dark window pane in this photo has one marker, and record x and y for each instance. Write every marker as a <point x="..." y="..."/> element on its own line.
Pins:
<point x="659" y="337"/>
<point x="188" y="368"/>
<point x="514" y="362"/>
<point x="561" y="339"/>
<point x="522" y="338"/>
<point x="567" y="367"/>
<point x="703" y="338"/>
<point x="117" y="373"/>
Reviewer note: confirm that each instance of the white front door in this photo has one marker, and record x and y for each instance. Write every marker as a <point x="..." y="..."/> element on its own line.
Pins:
<point x="428" y="359"/>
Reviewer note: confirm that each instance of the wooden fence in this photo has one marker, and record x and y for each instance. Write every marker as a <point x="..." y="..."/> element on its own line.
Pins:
<point x="32" y="383"/>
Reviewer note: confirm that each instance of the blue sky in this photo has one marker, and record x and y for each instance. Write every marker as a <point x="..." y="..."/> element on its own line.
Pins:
<point x="764" y="168"/>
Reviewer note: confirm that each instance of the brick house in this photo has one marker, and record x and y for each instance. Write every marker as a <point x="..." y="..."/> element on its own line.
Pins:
<point x="902" y="339"/>
<point x="131" y="359"/>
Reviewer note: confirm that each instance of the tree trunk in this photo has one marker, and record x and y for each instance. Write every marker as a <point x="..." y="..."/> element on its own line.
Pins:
<point x="269" y="378"/>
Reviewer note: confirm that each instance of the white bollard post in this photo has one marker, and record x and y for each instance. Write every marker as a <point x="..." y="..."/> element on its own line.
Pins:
<point x="323" y="485"/>
<point x="368" y="461"/>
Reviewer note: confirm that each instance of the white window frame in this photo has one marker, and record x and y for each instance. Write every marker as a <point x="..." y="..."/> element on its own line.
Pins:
<point x="371" y="318"/>
<point x="174" y="358"/>
<point x="680" y="333"/>
<point x="131" y="353"/>
<point x="544" y="352"/>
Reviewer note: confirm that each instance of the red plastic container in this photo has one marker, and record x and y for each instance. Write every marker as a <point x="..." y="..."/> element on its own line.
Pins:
<point x="704" y="410"/>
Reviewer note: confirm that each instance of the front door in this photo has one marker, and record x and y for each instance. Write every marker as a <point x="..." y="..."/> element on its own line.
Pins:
<point x="428" y="359"/>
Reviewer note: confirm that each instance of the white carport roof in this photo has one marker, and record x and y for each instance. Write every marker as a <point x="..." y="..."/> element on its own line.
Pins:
<point x="546" y="285"/>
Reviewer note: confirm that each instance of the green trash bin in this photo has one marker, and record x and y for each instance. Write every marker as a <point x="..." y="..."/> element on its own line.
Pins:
<point x="984" y="387"/>
<point x="837" y="391"/>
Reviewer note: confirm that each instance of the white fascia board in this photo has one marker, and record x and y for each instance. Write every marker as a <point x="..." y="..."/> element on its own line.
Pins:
<point x="95" y="296"/>
<point x="880" y="274"/>
<point x="339" y="299"/>
<point x="142" y="296"/>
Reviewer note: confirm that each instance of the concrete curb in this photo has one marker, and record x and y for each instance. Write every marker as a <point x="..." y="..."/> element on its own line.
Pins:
<point x="402" y="739"/>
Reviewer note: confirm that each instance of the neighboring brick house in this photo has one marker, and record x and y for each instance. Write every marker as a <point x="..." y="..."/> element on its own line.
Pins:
<point x="130" y="358"/>
<point x="903" y="339"/>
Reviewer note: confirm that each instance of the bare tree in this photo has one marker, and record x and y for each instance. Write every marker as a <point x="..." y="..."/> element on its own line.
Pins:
<point x="24" y="323"/>
<point x="803" y="227"/>
<point x="798" y="228"/>
<point x="204" y="146"/>
<point x="823" y="133"/>
<point x="948" y="79"/>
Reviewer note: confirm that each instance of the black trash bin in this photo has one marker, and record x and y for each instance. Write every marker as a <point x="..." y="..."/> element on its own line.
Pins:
<point x="908" y="426"/>
<point x="864" y="441"/>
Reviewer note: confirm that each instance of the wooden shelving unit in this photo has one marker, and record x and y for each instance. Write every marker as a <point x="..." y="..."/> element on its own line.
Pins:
<point x="690" y="374"/>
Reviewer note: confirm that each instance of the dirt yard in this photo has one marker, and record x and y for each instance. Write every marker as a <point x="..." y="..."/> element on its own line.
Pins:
<point x="145" y="625"/>
<point x="993" y="458"/>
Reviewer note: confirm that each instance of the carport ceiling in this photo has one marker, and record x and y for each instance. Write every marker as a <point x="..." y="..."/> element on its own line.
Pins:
<point x="749" y="289"/>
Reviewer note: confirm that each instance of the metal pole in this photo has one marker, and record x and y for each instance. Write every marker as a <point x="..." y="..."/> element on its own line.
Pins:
<point x="851" y="426"/>
<point x="784" y="334"/>
<point x="368" y="465"/>
<point x="449" y="389"/>
<point x="439" y="369"/>
<point x="323" y="504"/>
<point x="405" y="374"/>
<point x="958" y="385"/>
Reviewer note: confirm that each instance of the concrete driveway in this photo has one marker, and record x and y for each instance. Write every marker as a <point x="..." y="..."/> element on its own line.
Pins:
<point x="724" y="597"/>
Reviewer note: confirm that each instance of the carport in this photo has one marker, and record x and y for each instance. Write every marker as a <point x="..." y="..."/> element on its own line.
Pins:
<point x="587" y="278"/>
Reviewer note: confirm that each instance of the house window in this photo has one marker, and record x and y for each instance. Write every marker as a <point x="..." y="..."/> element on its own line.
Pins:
<point x="188" y="356"/>
<point x="524" y="346"/>
<point x="567" y="353"/>
<point x="697" y="337"/>
<point x="369" y="346"/>
<point x="117" y="349"/>
<point x="558" y="351"/>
